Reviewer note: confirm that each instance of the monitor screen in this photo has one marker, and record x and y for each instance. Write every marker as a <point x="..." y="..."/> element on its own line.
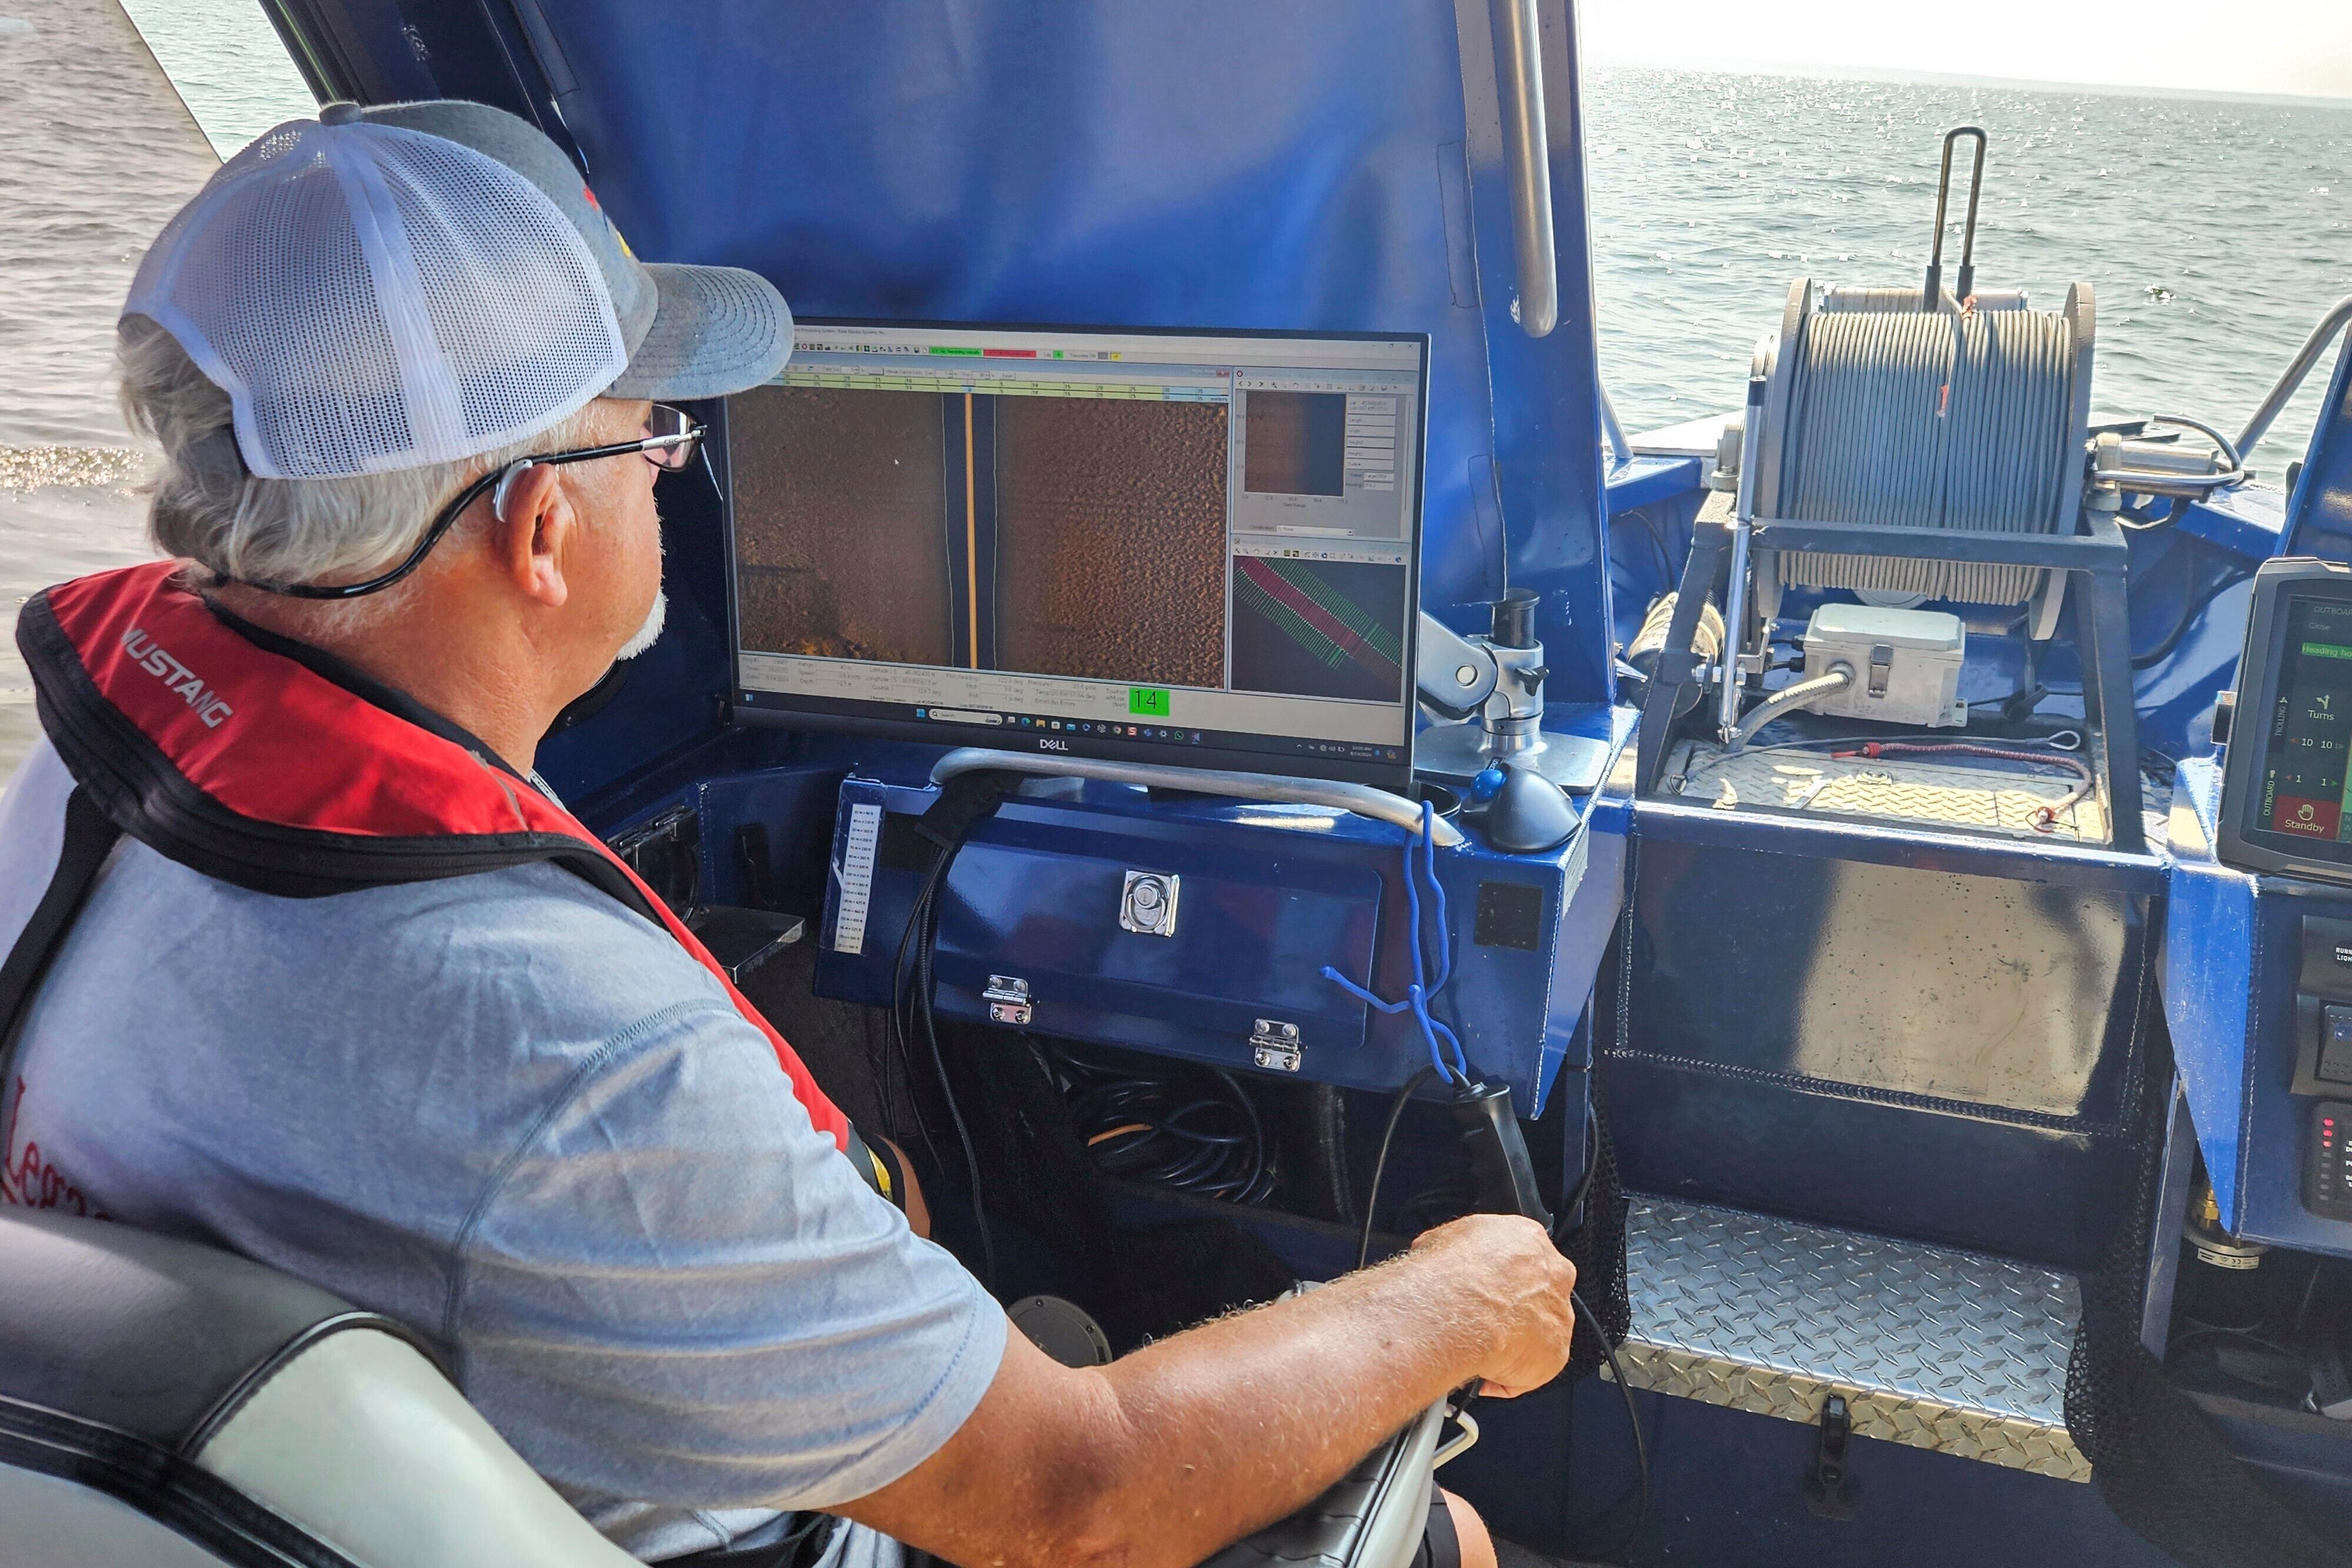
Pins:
<point x="1191" y="548"/>
<point x="2301" y="790"/>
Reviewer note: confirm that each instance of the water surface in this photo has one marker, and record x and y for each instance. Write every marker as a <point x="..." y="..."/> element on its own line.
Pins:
<point x="2214" y="233"/>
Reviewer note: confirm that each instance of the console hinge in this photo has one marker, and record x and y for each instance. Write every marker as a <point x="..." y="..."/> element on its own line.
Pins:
<point x="1275" y="1044"/>
<point x="1007" y="996"/>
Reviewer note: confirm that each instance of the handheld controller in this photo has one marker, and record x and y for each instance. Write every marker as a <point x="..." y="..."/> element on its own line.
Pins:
<point x="1504" y="1175"/>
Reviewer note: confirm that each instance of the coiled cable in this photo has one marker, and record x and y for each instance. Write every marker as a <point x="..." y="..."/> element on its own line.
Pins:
<point x="1919" y="420"/>
<point x="1195" y="1130"/>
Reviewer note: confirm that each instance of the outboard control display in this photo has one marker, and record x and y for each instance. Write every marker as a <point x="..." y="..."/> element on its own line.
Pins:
<point x="2310" y="721"/>
<point x="1189" y="548"/>
<point x="2287" y="790"/>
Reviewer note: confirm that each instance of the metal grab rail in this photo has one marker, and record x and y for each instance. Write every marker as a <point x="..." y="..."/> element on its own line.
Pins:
<point x="1527" y="157"/>
<point x="1362" y="799"/>
<point x="1932" y="295"/>
<point x="1621" y="450"/>
<point x="2337" y="319"/>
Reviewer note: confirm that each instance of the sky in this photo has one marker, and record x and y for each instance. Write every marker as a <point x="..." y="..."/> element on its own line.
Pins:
<point x="2302" y="47"/>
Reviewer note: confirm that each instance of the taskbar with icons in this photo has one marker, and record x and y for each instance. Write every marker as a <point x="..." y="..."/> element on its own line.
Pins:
<point x="1063" y="726"/>
<point x="1389" y="767"/>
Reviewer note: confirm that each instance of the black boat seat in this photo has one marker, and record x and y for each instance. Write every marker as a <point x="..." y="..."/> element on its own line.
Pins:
<point x="170" y="1405"/>
<point x="166" y="1402"/>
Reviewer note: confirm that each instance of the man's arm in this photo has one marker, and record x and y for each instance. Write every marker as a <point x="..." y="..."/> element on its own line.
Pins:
<point x="1188" y="1445"/>
<point x="884" y="1167"/>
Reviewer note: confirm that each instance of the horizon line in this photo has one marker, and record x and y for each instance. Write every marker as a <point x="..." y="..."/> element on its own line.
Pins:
<point x="1902" y="76"/>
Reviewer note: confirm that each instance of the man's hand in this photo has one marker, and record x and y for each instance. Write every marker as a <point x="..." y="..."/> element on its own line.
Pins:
<point x="1165" y="1456"/>
<point x="1509" y="1267"/>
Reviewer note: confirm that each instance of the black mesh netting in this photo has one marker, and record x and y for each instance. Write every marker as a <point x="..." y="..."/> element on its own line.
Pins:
<point x="848" y="1048"/>
<point x="2157" y="1460"/>
<point x="1143" y="1282"/>
<point x="1597" y="1246"/>
<point x="1140" y="1282"/>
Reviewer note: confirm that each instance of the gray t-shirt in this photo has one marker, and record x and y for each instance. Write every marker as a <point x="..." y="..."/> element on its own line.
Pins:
<point x="516" y="1115"/>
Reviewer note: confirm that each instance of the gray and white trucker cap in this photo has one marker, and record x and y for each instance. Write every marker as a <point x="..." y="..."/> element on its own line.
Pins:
<point x="419" y="283"/>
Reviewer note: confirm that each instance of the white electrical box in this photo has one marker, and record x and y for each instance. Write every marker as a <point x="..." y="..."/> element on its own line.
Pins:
<point x="1906" y="663"/>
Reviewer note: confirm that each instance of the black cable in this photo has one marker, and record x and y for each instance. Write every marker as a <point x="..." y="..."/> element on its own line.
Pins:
<point x="1659" y="549"/>
<point x="1571" y="1200"/>
<point x="1261" y="1168"/>
<point x="921" y="932"/>
<point x="2191" y="603"/>
<point x="1150" y="1128"/>
<point x="2184" y="552"/>
<point x="786" y="1548"/>
<point x="1592" y="1321"/>
<point x="1380" y="1165"/>
<point x="2031" y="690"/>
<point x="2023" y="696"/>
<point x="2309" y="1286"/>
<point x="955" y="1111"/>
<point x="900" y="1025"/>
<point x="1449" y="1200"/>
<point x="2216" y="1331"/>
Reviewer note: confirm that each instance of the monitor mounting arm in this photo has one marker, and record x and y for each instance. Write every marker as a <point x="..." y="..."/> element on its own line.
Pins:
<point x="1499" y="676"/>
<point x="1493" y="685"/>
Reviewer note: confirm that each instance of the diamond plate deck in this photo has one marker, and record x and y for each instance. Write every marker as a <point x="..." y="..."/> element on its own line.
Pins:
<point x="1992" y="798"/>
<point x="1951" y="1351"/>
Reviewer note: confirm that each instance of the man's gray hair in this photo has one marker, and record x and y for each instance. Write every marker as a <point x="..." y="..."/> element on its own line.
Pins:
<point x="208" y="510"/>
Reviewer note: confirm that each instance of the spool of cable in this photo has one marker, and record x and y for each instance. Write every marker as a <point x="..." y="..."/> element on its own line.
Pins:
<point x="1941" y="420"/>
<point x="1850" y="297"/>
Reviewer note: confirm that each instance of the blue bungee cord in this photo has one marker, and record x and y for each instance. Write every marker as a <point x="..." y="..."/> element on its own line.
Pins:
<point x="1417" y="996"/>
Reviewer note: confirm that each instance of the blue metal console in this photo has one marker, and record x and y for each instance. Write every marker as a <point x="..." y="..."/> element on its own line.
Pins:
<point x="2319" y="513"/>
<point x="1265" y="897"/>
<point x="2235" y="984"/>
<point x="1909" y="1032"/>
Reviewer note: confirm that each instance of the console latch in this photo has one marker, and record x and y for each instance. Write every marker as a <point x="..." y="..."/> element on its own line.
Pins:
<point x="1828" y="1490"/>
<point x="1146" y="904"/>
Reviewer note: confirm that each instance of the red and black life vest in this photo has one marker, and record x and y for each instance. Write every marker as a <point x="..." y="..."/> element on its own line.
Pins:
<point x="230" y="751"/>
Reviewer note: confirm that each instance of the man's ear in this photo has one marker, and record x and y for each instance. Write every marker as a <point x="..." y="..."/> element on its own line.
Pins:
<point x="529" y="540"/>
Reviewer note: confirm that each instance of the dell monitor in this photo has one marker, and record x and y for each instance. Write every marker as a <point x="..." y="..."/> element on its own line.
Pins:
<point x="1189" y="548"/>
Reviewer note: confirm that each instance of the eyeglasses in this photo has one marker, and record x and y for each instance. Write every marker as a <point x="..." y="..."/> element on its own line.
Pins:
<point x="670" y="442"/>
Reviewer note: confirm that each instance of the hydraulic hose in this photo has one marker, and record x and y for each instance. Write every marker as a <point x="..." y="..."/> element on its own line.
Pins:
<point x="1789" y="697"/>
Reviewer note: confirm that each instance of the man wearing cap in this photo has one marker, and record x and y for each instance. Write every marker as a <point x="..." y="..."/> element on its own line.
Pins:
<point x="304" y="961"/>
